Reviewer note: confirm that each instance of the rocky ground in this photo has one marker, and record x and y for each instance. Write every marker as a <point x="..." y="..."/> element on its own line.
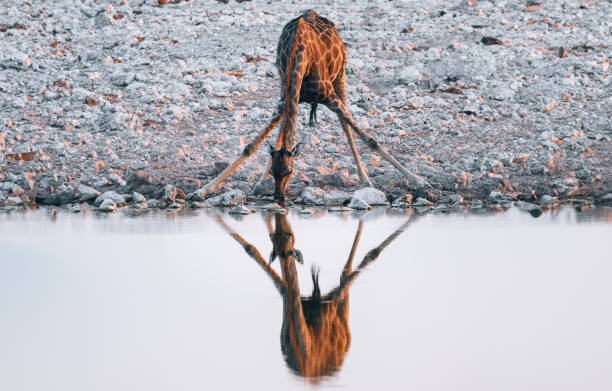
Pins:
<point x="144" y="103"/>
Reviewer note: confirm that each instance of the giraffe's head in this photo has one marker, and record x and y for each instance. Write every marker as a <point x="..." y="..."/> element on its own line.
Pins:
<point x="282" y="169"/>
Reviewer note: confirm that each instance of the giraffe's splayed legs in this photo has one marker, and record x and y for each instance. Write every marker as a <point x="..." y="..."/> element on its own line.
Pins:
<point x="335" y="104"/>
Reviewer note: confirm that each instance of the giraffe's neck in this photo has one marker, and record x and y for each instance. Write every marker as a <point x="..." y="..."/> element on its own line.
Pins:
<point x="293" y="86"/>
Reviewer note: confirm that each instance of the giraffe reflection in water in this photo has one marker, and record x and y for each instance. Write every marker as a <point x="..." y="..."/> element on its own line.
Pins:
<point x="315" y="334"/>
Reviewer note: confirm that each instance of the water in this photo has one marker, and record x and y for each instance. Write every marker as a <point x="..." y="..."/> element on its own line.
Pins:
<point x="172" y="301"/>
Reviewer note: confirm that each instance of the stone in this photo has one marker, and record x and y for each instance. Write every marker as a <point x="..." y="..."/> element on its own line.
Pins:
<point x="547" y="200"/>
<point x="312" y="196"/>
<point x="533" y="209"/>
<point x="371" y="196"/>
<point x="607" y="198"/>
<point x="117" y="179"/>
<point x="454" y="199"/>
<point x="305" y="211"/>
<point x="87" y="193"/>
<point x="153" y="203"/>
<point x="336" y="197"/>
<point x="359" y="204"/>
<point x="477" y="204"/>
<point x="275" y="208"/>
<point x="240" y="210"/>
<point x="14" y="201"/>
<point x="230" y="198"/>
<point x="422" y="202"/>
<point x="117" y="199"/>
<point x="11" y="188"/>
<point x="499" y="197"/>
<point x="107" y="205"/>
<point x="138" y="177"/>
<point x="138" y="198"/>
<point x="63" y="194"/>
<point x="340" y="209"/>
<point x="169" y="193"/>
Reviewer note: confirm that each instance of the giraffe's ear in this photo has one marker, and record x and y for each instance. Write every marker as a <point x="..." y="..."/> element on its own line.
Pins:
<point x="298" y="255"/>
<point x="271" y="147"/>
<point x="295" y="152"/>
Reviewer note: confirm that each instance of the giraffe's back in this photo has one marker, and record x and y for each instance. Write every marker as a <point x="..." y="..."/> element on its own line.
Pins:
<point x="324" y="51"/>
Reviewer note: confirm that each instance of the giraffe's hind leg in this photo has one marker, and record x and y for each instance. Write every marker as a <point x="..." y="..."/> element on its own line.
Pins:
<point x="337" y="106"/>
<point x="363" y="177"/>
<point x="340" y="90"/>
<point x="312" y="121"/>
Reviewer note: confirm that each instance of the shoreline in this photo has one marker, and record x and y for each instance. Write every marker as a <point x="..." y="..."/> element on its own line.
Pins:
<point x="158" y="99"/>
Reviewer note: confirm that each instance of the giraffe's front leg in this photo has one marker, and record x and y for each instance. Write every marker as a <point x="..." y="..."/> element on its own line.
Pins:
<point x="248" y="151"/>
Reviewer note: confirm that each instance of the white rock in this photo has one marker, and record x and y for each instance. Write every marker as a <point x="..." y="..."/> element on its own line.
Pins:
<point x="107" y="205"/>
<point x="359" y="204"/>
<point x="371" y="196"/>
<point x="240" y="210"/>
<point x="312" y="196"/>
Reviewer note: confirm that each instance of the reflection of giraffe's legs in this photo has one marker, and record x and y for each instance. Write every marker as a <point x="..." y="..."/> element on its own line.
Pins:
<point x="339" y="86"/>
<point x="343" y="304"/>
<point x="252" y="252"/>
<point x="348" y="267"/>
<point x="336" y="105"/>
<point x="248" y="151"/>
<point x="370" y="257"/>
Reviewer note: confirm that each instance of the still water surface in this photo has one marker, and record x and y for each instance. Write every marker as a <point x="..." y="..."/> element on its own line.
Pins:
<point x="173" y="302"/>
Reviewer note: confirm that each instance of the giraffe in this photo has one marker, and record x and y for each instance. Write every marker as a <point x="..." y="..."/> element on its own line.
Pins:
<point x="311" y="60"/>
<point x="315" y="334"/>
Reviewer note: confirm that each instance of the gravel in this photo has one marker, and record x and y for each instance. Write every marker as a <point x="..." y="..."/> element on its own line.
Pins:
<point x="489" y="101"/>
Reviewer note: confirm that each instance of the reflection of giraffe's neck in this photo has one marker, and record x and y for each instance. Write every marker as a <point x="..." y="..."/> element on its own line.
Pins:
<point x="295" y="331"/>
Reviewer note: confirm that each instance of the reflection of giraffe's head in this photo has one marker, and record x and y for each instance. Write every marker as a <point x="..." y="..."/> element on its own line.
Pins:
<point x="282" y="169"/>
